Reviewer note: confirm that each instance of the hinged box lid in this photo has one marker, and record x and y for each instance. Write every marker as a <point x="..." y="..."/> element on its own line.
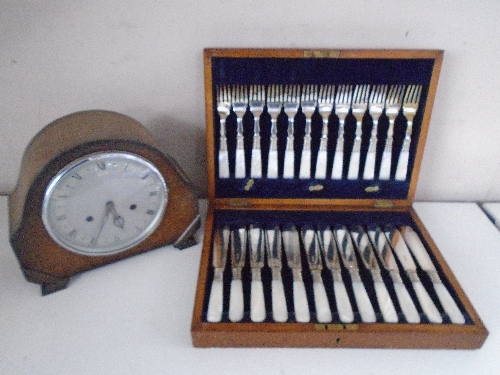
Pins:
<point x="333" y="152"/>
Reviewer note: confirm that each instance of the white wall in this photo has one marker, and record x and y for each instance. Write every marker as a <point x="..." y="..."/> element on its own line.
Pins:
<point x="144" y="59"/>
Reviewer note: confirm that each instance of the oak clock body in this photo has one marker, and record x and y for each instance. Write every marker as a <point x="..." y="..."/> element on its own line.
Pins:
<point x="95" y="188"/>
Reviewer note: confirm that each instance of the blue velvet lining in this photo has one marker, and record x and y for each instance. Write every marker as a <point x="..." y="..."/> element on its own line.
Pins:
<point x="317" y="71"/>
<point x="268" y="219"/>
<point x="226" y="71"/>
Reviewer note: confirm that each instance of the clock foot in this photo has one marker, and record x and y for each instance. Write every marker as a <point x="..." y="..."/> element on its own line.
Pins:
<point x="49" y="283"/>
<point x="48" y="288"/>
<point x="187" y="239"/>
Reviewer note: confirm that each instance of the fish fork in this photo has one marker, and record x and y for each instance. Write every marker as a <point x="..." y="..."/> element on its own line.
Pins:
<point x="291" y="105"/>
<point x="308" y="103"/>
<point x="342" y="106"/>
<point x="274" y="106"/>
<point x="257" y="101"/>
<point x="410" y="106"/>
<point x="359" y="105"/>
<point x="224" y="108"/>
<point x="240" y="104"/>
<point x="376" y="107"/>
<point x="392" y="107"/>
<point x="325" y="106"/>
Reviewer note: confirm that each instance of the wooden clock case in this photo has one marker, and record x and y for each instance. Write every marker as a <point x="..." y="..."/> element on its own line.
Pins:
<point x="45" y="262"/>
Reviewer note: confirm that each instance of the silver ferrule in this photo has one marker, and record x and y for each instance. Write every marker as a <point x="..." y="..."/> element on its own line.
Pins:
<point x="256" y="274"/>
<point x="395" y="276"/>
<point x="316" y="275"/>
<point x="337" y="275"/>
<point x="218" y="274"/>
<point x="434" y="277"/>
<point x="276" y="273"/>
<point x="412" y="274"/>
<point x="354" y="272"/>
<point x="236" y="273"/>
<point x="376" y="276"/>
<point x="297" y="274"/>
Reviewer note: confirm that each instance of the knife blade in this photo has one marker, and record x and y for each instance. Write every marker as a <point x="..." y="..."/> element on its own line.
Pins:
<point x="313" y="252"/>
<point x="219" y="258"/>
<point x="238" y="253"/>
<point x="292" y="250"/>
<point x="424" y="260"/>
<point x="388" y="261"/>
<point x="348" y="256"/>
<point x="257" y="254"/>
<point x="332" y="261"/>
<point x="273" y="250"/>
<point x="369" y="260"/>
<point x="399" y="246"/>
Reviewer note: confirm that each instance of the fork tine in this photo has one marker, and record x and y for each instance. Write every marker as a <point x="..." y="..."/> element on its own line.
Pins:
<point x="309" y="92"/>
<point x="409" y="94"/>
<point x="291" y="93"/>
<point x="418" y="93"/>
<point x="240" y="93"/>
<point x="413" y="94"/>
<point x="344" y="94"/>
<point x="378" y="94"/>
<point x="325" y="95"/>
<point x="358" y="94"/>
<point x="275" y="93"/>
<point x="257" y="92"/>
<point x="222" y="94"/>
<point x="395" y="94"/>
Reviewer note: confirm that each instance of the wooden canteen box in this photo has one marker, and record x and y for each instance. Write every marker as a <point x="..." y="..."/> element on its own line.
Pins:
<point x="311" y="239"/>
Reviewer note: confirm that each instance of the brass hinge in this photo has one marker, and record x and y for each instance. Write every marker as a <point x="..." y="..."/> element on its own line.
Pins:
<point x="383" y="203"/>
<point x="321" y="54"/>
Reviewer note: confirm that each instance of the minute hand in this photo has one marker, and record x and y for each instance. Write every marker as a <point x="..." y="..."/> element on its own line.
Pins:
<point x="417" y="248"/>
<point x="398" y="244"/>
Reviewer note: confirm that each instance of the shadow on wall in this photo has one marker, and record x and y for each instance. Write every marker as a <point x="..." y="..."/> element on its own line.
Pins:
<point x="186" y="144"/>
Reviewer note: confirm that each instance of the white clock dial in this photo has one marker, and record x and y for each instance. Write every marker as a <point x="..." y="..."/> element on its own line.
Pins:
<point x="104" y="203"/>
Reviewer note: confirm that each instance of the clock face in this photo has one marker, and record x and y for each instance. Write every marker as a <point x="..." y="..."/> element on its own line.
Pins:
<point x="104" y="203"/>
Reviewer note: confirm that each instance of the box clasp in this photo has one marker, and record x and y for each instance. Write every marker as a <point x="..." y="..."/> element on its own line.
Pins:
<point x="383" y="203"/>
<point x="321" y="54"/>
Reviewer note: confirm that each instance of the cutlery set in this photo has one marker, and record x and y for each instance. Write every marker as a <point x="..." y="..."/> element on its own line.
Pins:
<point x="311" y="237"/>
<point x="326" y="274"/>
<point x="307" y="101"/>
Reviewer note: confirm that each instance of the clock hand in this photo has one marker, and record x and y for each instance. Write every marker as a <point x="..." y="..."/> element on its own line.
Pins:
<point x="117" y="219"/>
<point x="109" y="207"/>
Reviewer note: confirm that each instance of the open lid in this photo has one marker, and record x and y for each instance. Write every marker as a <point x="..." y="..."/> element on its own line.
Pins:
<point x="372" y="171"/>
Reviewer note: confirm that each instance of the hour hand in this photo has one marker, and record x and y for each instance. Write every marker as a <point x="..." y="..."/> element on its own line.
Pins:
<point x="117" y="219"/>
